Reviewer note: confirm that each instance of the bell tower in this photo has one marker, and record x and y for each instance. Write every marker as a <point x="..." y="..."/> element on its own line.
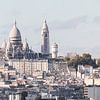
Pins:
<point x="45" y="48"/>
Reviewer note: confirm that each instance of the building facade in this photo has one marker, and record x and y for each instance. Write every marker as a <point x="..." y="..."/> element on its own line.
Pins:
<point x="15" y="48"/>
<point x="30" y="67"/>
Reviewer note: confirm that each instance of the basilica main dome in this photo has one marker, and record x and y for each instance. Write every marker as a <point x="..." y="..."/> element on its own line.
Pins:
<point x="15" y="36"/>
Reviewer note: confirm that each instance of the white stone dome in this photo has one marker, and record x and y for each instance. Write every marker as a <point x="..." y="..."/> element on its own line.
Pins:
<point x="14" y="34"/>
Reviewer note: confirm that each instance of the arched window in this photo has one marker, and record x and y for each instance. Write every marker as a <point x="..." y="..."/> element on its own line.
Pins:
<point x="45" y="35"/>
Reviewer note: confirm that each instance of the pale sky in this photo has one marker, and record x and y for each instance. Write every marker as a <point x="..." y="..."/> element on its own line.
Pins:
<point x="73" y="24"/>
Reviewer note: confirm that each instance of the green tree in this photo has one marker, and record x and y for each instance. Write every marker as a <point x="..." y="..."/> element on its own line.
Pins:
<point x="85" y="59"/>
<point x="98" y="62"/>
<point x="86" y="56"/>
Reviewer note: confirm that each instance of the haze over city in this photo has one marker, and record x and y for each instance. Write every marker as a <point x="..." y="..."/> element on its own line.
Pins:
<point x="74" y="24"/>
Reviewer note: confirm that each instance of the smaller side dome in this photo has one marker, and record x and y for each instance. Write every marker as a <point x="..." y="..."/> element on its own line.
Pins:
<point x="4" y="44"/>
<point x="9" y="46"/>
<point x="25" y="45"/>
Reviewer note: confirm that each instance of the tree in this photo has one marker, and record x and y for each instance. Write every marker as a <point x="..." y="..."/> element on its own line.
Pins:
<point x="98" y="62"/>
<point x="85" y="59"/>
<point x="86" y="56"/>
<point x="67" y="58"/>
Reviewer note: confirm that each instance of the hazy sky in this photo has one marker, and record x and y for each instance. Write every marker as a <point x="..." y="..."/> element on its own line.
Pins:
<point x="73" y="24"/>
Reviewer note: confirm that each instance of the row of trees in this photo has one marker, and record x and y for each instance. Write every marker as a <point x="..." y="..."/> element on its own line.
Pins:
<point x="85" y="59"/>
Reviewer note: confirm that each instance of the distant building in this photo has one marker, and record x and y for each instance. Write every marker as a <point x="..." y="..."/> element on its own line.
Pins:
<point x="15" y="96"/>
<point x="55" y="50"/>
<point x="87" y="70"/>
<point x="71" y="54"/>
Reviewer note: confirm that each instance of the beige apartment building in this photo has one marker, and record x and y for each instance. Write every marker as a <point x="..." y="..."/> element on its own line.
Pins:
<point x="29" y="67"/>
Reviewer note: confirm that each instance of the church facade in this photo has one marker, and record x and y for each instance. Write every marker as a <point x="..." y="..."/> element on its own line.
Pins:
<point x="14" y="48"/>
